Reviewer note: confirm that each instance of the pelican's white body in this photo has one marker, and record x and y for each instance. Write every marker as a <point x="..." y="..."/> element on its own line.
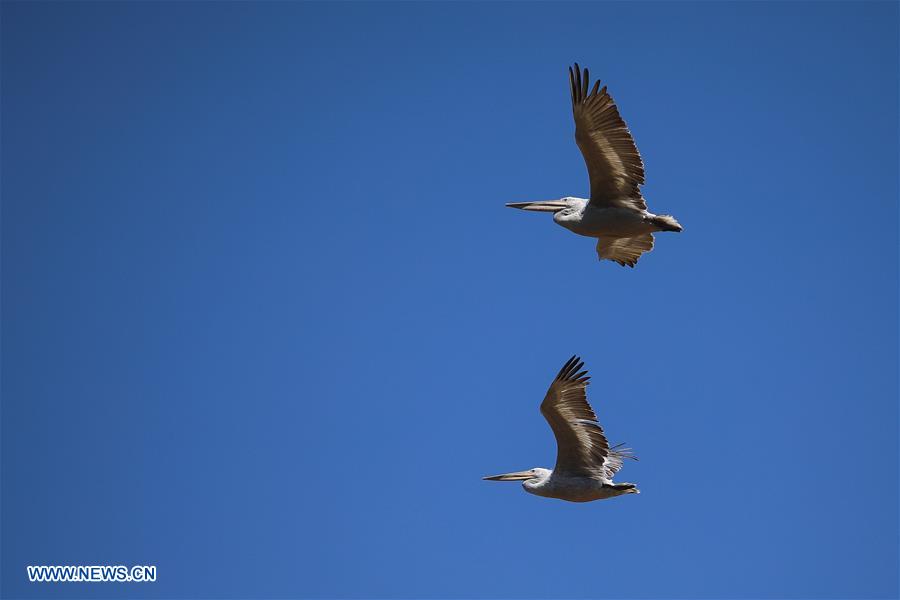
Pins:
<point x="615" y="222"/>
<point x="548" y="484"/>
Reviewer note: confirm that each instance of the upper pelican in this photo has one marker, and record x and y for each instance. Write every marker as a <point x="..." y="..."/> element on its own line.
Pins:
<point x="616" y="213"/>
<point x="585" y="462"/>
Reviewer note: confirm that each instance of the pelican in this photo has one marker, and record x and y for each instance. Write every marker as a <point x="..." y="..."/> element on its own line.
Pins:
<point x="616" y="213"/>
<point x="585" y="462"/>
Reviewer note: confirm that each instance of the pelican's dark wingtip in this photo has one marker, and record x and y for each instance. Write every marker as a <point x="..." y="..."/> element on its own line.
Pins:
<point x="570" y="371"/>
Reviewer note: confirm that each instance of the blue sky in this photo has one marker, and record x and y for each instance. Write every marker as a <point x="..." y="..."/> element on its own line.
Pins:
<point x="266" y="321"/>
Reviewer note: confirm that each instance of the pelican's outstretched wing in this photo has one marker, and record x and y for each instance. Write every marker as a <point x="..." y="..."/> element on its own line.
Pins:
<point x="613" y="161"/>
<point x="625" y="251"/>
<point x="582" y="448"/>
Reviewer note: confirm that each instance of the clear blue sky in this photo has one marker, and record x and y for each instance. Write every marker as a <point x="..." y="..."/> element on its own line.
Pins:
<point x="266" y="321"/>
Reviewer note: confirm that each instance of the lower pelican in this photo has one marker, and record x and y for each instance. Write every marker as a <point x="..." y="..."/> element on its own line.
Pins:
<point x="585" y="462"/>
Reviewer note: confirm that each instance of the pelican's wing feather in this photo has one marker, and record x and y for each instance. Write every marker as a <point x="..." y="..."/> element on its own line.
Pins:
<point x="613" y="161"/>
<point x="625" y="251"/>
<point x="582" y="447"/>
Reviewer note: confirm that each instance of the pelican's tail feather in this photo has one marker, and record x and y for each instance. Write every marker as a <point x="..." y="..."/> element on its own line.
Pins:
<point x="626" y="488"/>
<point x="667" y="223"/>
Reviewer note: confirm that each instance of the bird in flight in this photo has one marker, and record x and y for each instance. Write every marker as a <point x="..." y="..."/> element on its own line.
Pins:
<point x="585" y="462"/>
<point x="616" y="213"/>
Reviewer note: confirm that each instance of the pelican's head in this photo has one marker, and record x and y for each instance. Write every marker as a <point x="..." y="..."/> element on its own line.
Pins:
<point x="536" y="473"/>
<point x="564" y="209"/>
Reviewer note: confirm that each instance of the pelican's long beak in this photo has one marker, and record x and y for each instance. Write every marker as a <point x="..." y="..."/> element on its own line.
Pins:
<point x="541" y="205"/>
<point x="517" y="476"/>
